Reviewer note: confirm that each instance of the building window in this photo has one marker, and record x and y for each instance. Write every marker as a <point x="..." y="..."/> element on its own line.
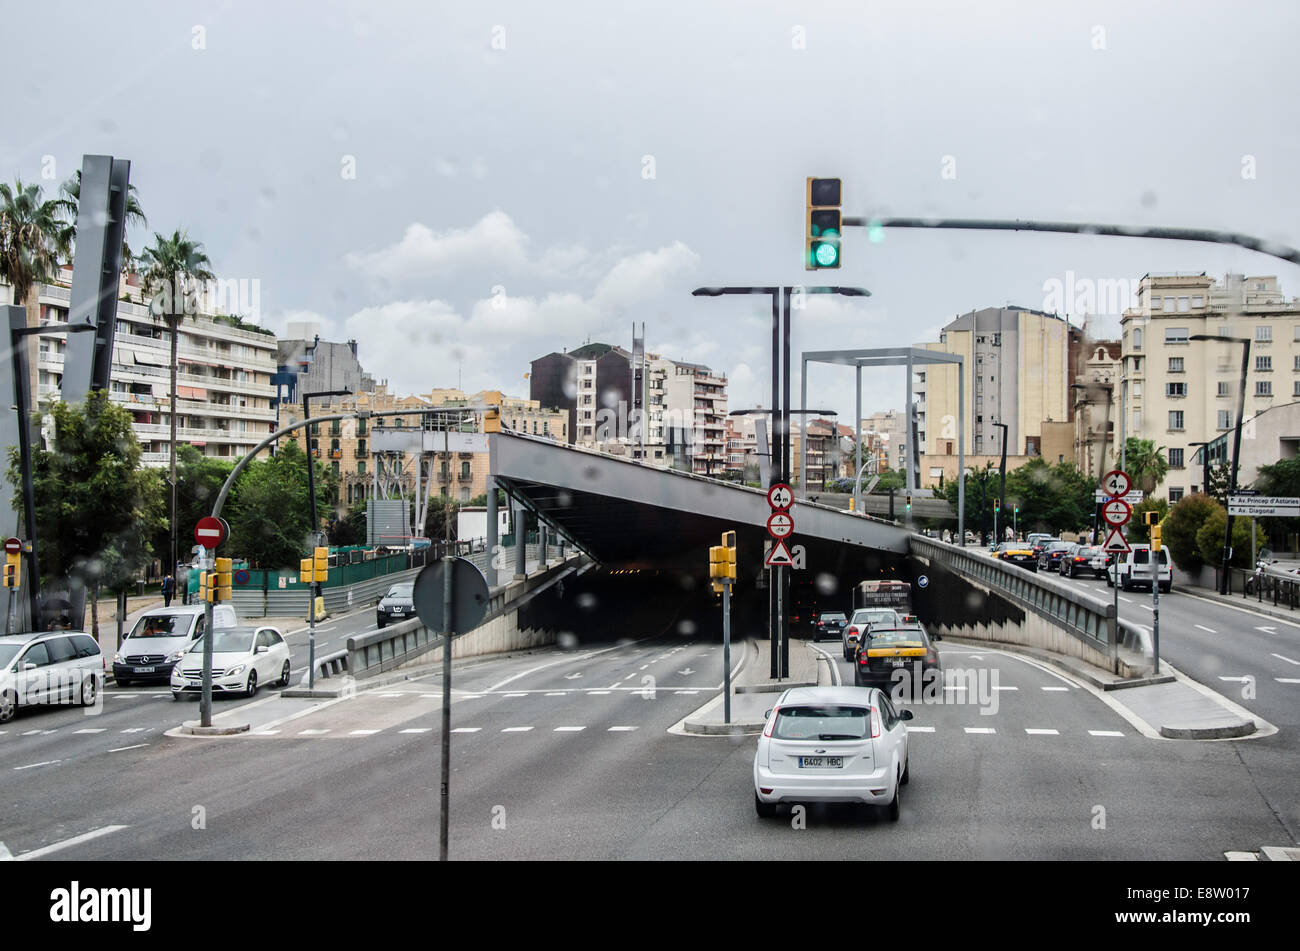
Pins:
<point x="1296" y="389"/>
<point x="1175" y="335"/>
<point x="464" y="470"/>
<point x="1184" y="305"/>
<point x="1225" y="419"/>
<point x="1225" y="388"/>
<point x="1175" y="364"/>
<point x="1137" y="364"/>
<point x="1263" y="387"/>
<point x="1170" y="304"/>
<point x="1175" y="389"/>
<point x="1137" y="338"/>
<point x="1176" y="419"/>
<point x="1175" y="458"/>
<point x="361" y="468"/>
<point x="1263" y="364"/>
<point x="1155" y="302"/>
<point x="1175" y="494"/>
<point x="1264" y="334"/>
<point x="1198" y="301"/>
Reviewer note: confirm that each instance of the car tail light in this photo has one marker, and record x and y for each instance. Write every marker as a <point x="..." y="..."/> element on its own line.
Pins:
<point x="875" y="723"/>
<point x="771" y="722"/>
<point x="768" y="792"/>
<point x="853" y="632"/>
<point x="932" y="656"/>
<point x="863" y="659"/>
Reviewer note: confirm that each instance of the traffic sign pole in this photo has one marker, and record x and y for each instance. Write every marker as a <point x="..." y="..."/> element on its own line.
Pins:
<point x="726" y="649"/>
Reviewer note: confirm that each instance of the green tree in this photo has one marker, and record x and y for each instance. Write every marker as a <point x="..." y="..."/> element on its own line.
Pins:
<point x="199" y="479"/>
<point x="171" y="265"/>
<point x="890" y="479"/>
<point x="30" y="242"/>
<point x="270" y="512"/>
<point x="1209" y="539"/>
<point x="66" y="208"/>
<point x="1057" y="498"/>
<point x="1147" y="468"/>
<point x="350" y="529"/>
<point x="1220" y="481"/>
<point x="1179" y="529"/>
<point x="1138" y="530"/>
<point x="1280" y="478"/>
<point x="96" y="509"/>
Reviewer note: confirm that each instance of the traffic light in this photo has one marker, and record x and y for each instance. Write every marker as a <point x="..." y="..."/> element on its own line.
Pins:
<point x="205" y="591"/>
<point x="997" y="504"/>
<point x="1151" y="518"/>
<point x="224" y="583"/>
<point x="822" y="234"/>
<point x="1155" y="536"/>
<point x="321" y="558"/>
<point x="13" y="570"/>
<point x="722" y="561"/>
<point x="909" y="503"/>
<point x="305" y="573"/>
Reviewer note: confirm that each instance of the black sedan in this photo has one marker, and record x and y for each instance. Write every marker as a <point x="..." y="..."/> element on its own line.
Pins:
<point x="1049" y="559"/>
<point x="397" y="605"/>
<point x="830" y="624"/>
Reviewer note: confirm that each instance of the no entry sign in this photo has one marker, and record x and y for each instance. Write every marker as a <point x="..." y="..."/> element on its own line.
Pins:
<point x="211" y="532"/>
<point x="13" y="546"/>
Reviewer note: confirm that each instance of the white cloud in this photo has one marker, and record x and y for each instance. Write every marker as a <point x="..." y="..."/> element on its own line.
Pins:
<point x="493" y="241"/>
<point x="643" y="276"/>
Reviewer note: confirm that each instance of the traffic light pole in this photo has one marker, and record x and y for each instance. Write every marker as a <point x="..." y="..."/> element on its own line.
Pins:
<point x="205" y="706"/>
<point x="726" y="650"/>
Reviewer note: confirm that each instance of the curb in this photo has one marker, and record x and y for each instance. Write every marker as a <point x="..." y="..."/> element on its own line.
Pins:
<point x="1244" y="728"/>
<point x="193" y="729"/>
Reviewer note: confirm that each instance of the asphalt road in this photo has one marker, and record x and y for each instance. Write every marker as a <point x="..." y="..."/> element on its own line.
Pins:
<point x="567" y="754"/>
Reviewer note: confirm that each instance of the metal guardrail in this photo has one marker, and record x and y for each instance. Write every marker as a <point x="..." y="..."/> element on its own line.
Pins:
<point x="1087" y="618"/>
<point x="1277" y="585"/>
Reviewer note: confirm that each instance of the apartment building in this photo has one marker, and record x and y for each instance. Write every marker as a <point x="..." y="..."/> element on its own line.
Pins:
<point x="307" y="364"/>
<point x="887" y="433"/>
<point x="224" y="390"/>
<point x="1178" y="391"/>
<point x="695" y="411"/>
<point x="1096" y="395"/>
<point x="583" y="382"/>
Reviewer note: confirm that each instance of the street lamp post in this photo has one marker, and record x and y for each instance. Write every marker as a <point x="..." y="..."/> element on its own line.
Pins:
<point x="313" y="590"/>
<point x="1236" y="446"/>
<point x="781" y="430"/>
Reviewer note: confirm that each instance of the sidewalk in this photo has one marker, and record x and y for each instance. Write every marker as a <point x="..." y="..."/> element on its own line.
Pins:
<point x="754" y="690"/>
<point x="1237" y="601"/>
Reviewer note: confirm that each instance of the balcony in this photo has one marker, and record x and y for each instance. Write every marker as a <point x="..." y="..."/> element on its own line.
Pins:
<point x="336" y="453"/>
<point x="360" y="453"/>
<point x="465" y="477"/>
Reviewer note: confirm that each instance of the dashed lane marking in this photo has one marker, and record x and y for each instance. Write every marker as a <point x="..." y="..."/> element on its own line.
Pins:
<point x="516" y="729"/>
<point x="1287" y="659"/>
<point x="980" y="729"/>
<point x="1207" y="630"/>
<point x="568" y="729"/>
<point x="122" y="749"/>
<point x="67" y="843"/>
<point x="516" y="695"/>
<point x="620" y="729"/>
<point x="135" y="729"/>
<point x="557" y="693"/>
<point x="418" y="729"/>
<point x="312" y="732"/>
<point x="1033" y="732"/>
<point x="1105" y="733"/>
<point x="98" y="729"/>
<point x="597" y="693"/>
<point x="48" y="762"/>
<point x="920" y="729"/>
<point x="363" y="733"/>
<point x="466" y="729"/>
<point x="1056" y="689"/>
<point x="1287" y="680"/>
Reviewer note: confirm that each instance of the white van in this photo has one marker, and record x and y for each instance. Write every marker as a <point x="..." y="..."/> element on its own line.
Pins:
<point x="1135" y="568"/>
<point x="159" y="639"/>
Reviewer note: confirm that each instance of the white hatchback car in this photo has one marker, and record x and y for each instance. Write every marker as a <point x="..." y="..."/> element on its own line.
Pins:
<point x="242" y="658"/>
<point x="832" y="744"/>
<point x="50" y="668"/>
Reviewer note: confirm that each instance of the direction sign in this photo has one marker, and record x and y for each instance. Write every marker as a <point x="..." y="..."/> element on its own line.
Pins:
<point x="1261" y="506"/>
<point x="779" y="556"/>
<point x="13" y="546"/>
<point x="923" y="582"/>
<point x="1115" y="542"/>
<point x="1132" y="496"/>
<point x="780" y="496"/>
<point x="1115" y="482"/>
<point x="1116" y="512"/>
<point x="780" y="524"/>
<point x="211" y="532"/>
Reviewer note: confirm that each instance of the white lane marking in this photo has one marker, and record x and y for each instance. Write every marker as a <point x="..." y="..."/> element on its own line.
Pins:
<point x="160" y="696"/>
<point x="1000" y="687"/>
<point x="363" y="733"/>
<point x="563" y="660"/>
<point x="1207" y="630"/>
<point x="390" y="695"/>
<point x="1149" y="608"/>
<point x="98" y="729"/>
<point x="1129" y="600"/>
<point x="122" y="748"/>
<point x="516" y="695"/>
<point x="430" y="696"/>
<point x="620" y="729"/>
<point x="957" y="687"/>
<point x="614" y="685"/>
<point x="1236" y="680"/>
<point x="685" y="693"/>
<point x="312" y="732"/>
<point x="1032" y="732"/>
<point x="1267" y="629"/>
<point x="568" y="729"/>
<point x="31" y="732"/>
<point x="1287" y="659"/>
<point x="517" y="729"/>
<point x="48" y="762"/>
<point x="1055" y="689"/>
<point x="557" y="693"/>
<point x="980" y="729"/>
<point x="472" y="696"/>
<point x="135" y="729"/>
<point x="1105" y="733"/>
<point x="597" y="693"/>
<point x="126" y="696"/>
<point x="67" y="843"/>
<point x="417" y="729"/>
<point x="466" y="729"/>
<point x="920" y="729"/>
<point x="1287" y="680"/>
<point x="644" y="666"/>
<point x="265" y="732"/>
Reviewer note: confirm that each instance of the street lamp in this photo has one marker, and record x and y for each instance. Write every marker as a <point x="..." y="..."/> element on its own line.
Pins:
<point x="1236" y="445"/>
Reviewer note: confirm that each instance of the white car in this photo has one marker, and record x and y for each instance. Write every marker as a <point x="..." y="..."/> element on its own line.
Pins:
<point x="160" y="638"/>
<point x="50" y="668"/>
<point x="832" y="744"/>
<point x="862" y="619"/>
<point x="1135" y="568"/>
<point x="242" y="659"/>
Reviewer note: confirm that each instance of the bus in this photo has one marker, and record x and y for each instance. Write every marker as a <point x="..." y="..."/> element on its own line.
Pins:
<point x="883" y="594"/>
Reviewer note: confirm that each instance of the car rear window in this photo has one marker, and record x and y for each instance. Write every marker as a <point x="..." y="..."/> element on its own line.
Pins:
<point x="914" y="636"/>
<point x="832" y="617"/>
<point x="822" y="722"/>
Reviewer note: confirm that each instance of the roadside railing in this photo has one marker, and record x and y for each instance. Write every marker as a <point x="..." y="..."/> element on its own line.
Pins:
<point x="1274" y="584"/>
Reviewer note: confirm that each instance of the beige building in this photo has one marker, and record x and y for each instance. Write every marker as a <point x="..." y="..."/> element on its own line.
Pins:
<point x="1096" y="407"/>
<point x="1177" y="391"/>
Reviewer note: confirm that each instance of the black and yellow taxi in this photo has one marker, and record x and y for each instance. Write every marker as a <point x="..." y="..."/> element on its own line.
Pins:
<point x="886" y="650"/>
<point x="1017" y="553"/>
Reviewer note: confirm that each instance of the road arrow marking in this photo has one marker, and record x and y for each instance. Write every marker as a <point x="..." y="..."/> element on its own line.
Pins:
<point x="687" y="672"/>
<point x="572" y="676"/>
<point x="1237" y="680"/>
<point x="1208" y="630"/>
<point x="1269" y="629"/>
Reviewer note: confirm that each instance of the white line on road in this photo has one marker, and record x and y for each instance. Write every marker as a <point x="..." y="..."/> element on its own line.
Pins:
<point x="390" y="695"/>
<point x="1000" y="687"/>
<point x="569" y="729"/>
<point x="363" y="733"/>
<point x="98" y="729"/>
<point x="516" y="729"/>
<point x="920" y="729"/>
<point x="557" y="693"/>
<point x="430" y="696"/>
<point x="123" y="748"/>
<point x="48" y="762"/>
<point x="1287" y="659"/>
<point x="135" y="729"/>
<point x="1287" y="680"/>
<point x="1149" y="608"/>
<point x="980" y="729"/>
<point x="1129" y="600"/>
<point x="1236" y="680"/>
<point x="685" y="693"/>
<point x="1042" y="732"/>
<point x="516" y="695"/>
<point x="1105" y="733"/>
<point x="264" y="733"/>
<point x="1055" y="689"/>
<point x="466" y="729"/>
<point x="1267" y="629"/>
<point x="1207" y="630"/>
<point x="620" y="729"/>
<point x="418" y="729"/>
<point x="312" y="732"/>
<point x="34" y="732"/>
<point x="597" y="693"/>
<point x="67" y="843"/>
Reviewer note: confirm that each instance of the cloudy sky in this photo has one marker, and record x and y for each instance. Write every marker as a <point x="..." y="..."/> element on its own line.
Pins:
<point x="463" y="187"/>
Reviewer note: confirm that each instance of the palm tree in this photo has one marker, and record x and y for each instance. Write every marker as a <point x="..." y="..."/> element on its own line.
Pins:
<point x="171" y="265"/>
<point x="1147" y="468"/>
<point x="30" y="246"/>
<point x="70" y="198"/>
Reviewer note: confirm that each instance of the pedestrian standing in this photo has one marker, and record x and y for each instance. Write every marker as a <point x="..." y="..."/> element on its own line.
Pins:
<point x="168" y="589"/>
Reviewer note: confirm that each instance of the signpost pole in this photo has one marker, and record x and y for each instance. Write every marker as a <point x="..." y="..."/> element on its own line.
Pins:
<point x="726" y="649"/>
<point x="1155" y="609"/>
<point x="205" y="711"/>
<point x="448" y="592"/>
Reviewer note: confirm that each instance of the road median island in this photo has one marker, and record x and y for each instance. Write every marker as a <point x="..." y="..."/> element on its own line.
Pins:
<point x="753" y="690"/>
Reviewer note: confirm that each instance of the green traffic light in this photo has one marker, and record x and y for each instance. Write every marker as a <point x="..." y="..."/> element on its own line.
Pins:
<point x="826" y="254"/>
